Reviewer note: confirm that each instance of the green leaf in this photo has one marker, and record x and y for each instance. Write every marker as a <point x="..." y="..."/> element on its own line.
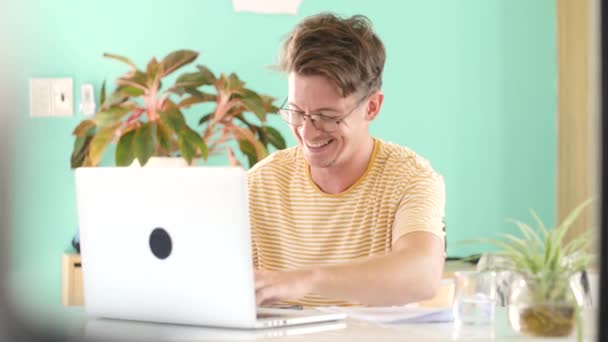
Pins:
<point x="206" y="118"/>
<point x="135" y="79"/>
<point x="253" y="103"/>
<point x="122" y="59"/>
<point x="111" y="116"/>
<point x="262" y="135"/>
<point x="234" y="83"/>
<point x="173" y="119"/>
<point x="187" y="149"/>
<point x="207" y="75"/>
<point x="275" y="138"/>
<point x="144" y="142"/>
<point x="540" y="224"/>
<point x="249" y="151"/>
<point x="177" y="59"/>
<point x="197" y="141"/>
<point x="572" y="216"/>
<point x="529" y="233"/>
<point x="190" y="80"/>
<point x="114" y="99"/>
<point x="194" y="99"/>
<point x="79" y="151"/>
<point x="125" y="153"/>
<point x="102" y="93"/>
<point x="268" y="104"/>
<point x="164" y="136"/>
<point x="130" y="91"/>
<point x="84" y="128"/>
<point x="100" y="142"/>
<point x="153" y="70"/>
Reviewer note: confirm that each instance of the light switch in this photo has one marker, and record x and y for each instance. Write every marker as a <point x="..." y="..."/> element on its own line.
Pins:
<point x="40" y="97"/>
<point x="51" y="97"/>
<point x="63" y="102"/>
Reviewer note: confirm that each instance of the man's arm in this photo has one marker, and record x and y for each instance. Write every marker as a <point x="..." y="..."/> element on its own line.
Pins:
<point x="410" y="272"/>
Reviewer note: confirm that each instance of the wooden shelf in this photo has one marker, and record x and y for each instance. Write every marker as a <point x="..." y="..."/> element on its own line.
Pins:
<point x="71" y="280"/>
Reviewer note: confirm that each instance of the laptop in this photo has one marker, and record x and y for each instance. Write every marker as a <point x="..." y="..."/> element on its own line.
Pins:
<point x="172" y="245"/>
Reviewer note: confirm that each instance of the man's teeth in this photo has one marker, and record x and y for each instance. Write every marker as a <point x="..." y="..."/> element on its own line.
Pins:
<point x="318" y="144"/>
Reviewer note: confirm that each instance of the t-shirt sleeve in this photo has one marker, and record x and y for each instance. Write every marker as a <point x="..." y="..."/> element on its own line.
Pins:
<point x="422" y="207"/>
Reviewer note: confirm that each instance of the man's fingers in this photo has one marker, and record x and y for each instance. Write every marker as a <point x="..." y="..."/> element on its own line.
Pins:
<point x="265" y="296"/>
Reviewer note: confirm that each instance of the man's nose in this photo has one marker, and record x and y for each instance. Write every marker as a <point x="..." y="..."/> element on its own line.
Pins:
<point x="308" y="128"/>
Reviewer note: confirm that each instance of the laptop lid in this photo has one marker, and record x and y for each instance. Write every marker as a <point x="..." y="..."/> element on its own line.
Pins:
<point x="166" y="245"/>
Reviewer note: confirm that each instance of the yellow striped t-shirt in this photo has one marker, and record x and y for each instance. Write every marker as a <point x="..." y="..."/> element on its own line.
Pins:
<point x="295" y="224"/>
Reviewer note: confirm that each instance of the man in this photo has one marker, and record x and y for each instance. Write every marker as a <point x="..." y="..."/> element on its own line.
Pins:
<point x="343" y="218"/>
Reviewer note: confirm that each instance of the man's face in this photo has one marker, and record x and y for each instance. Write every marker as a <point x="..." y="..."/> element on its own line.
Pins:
<point x="317" y="95"/>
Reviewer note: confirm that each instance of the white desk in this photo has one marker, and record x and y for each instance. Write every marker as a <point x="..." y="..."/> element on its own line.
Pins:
<point x="349" y="330"/>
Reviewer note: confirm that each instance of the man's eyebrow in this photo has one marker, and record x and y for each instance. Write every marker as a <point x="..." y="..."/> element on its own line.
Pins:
<point x="316" y="110"/>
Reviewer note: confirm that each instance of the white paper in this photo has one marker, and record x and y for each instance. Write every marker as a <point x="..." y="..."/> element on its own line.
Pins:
<point x="410" y="313"/>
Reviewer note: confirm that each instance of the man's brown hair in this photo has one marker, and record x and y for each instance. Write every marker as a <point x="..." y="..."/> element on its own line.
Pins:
<point x="344" y="50"/>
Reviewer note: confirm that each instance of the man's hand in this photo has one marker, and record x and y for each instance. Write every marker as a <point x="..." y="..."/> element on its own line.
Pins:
<point x="274" y="286"/>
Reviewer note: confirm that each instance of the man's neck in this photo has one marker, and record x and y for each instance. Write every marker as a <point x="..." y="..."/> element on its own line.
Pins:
<point x="336" y="179"/>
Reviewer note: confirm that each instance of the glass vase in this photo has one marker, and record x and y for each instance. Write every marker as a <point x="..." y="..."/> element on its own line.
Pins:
<point x="542" y="305"/>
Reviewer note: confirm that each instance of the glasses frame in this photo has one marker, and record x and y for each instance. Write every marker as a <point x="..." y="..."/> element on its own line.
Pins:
<point x="338" y="120"/>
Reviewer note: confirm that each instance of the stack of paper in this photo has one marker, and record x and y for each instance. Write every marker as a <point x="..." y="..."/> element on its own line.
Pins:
<point x="410" y="313"/>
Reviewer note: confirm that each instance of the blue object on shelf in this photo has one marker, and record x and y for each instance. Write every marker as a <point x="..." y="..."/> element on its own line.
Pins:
<point x="76" y="241"/>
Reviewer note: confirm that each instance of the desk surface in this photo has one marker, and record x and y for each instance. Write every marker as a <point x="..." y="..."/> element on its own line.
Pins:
<point x="349" y="330"/>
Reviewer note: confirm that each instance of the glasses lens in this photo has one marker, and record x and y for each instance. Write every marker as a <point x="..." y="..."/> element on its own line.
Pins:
<point x="291" y="117"/>
<point x="326" y="124"/>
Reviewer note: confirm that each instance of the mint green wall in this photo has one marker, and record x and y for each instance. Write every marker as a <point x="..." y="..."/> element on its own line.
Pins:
<point x="470" y="85"/>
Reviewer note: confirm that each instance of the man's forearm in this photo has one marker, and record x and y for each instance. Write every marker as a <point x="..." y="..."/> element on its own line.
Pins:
<point x="401" y="277"/>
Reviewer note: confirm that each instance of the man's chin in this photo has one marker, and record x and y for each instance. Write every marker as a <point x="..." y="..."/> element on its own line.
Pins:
<point x="320" y="163"/>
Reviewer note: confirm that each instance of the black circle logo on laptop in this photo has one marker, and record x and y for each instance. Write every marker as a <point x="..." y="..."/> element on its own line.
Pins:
<point x="160" y="243"/>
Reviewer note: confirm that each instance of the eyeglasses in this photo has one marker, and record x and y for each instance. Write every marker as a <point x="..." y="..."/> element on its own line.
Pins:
<point x="320" y="121"/>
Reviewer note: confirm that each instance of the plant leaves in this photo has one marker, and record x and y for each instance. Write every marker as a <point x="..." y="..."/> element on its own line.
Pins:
<point x="173" y="119"/>
<point x="114" y="99"/>
<point x="144" y="143"/>
<point x="207" y="75"/>
<point x="111" y="116"/>
<point x="130" y="91"/>
<point x="275" y="138"/>
<point x="125" y="153"/>
<point x="205" y="118"/>
<point x="194" y="99"/>
<point x="135" y="79"/>
<point x="234" y="84"/>
<point x="84" y="128"/>
<point x="164" y="136"/>
<point x="102" y="93"/>
<point x="122" y="59"/>
<point x="153" y="72"/>
<point x="197" y="141"/>
<point x="540" y="224"/>
<point x="249" y="151"/>
<point x="177" y="59"/>
<point x="244" y="134"/>
<point x="567" y="222"/>
<point x="253" y="103"/>
<point x="191" y="80"/>
<point x="100" y="142"/>
<point x="79" y="152"/>
<point x="528" y="232"/>
<point x="187" y="149"/>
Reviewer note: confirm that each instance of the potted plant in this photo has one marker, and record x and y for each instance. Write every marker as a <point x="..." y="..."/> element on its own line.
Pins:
<point x="144" y="120"/>
<point x="541" y="297"/>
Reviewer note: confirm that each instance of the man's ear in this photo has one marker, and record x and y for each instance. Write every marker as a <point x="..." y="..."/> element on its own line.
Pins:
<point x="374" y="105"/>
